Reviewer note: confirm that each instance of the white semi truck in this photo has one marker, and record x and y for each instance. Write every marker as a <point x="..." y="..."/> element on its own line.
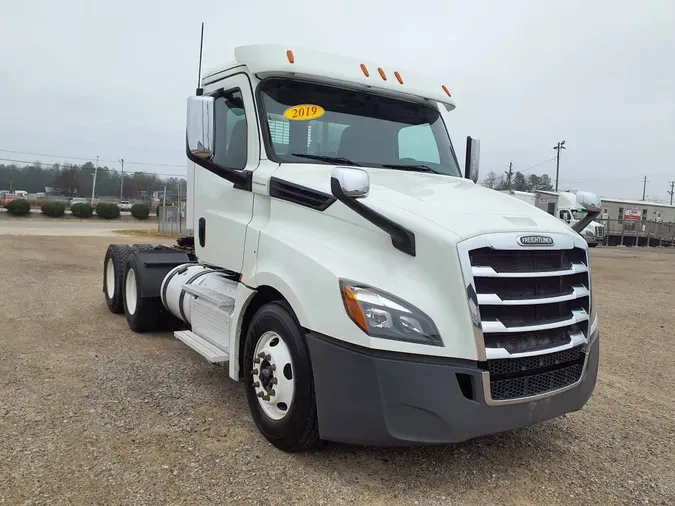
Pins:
<point x="564" y="206"/>
<point x="350" y="274"/>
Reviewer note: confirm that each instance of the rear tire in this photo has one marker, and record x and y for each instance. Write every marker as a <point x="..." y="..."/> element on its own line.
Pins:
<point x="296" y="428"/>
<point x="113" y="276"/>
<point x="143" y="314"/>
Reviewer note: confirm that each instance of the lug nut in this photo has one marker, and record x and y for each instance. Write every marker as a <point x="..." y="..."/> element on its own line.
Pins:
<point x="260" y="394"/>
<point x="254" y="371"/>
<point x="274" y="367"/>
<point x="266" y="397"/>
<point x="256" y="384"/>
<point x="272" y="392"/>
<point x="274" y="381"/>
<point x="268" y="357"/>
<point x="256" y="360"/>
<point x="261" y="354"/>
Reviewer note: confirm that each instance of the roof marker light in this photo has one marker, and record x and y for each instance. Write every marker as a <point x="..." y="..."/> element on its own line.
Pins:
<point x="446" y="90"/>
<point x="364" y="69"/>
<point x="289" y="55"/>
<point x="382" y="74"/>
<point x="398" y="77"/>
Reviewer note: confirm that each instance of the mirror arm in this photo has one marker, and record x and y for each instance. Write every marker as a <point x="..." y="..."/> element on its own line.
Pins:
<point x="582" y="224"/>
<point x="242" y="179"/>
<point x="402" y="238"/>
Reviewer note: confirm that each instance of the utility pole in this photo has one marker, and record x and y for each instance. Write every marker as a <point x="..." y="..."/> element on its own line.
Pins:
<point x="508" y="175"/>
<point x="561" y="145"/>
<point x="672" y="190"/>
<point x="644" y="187"/>
<point x="121" y="160"/>
<point x="93" y="188"/>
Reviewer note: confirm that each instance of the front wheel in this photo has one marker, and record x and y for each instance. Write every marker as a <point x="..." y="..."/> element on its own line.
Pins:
<point x="278" y="379"/>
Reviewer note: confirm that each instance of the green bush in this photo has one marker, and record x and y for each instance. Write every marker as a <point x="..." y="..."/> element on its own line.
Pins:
<point x="107" y="210"/>
<point x="140" y="211"/>
<point x="18" y="207"/>
<point x="83" y="210"/>
<point x="54" y="209"/>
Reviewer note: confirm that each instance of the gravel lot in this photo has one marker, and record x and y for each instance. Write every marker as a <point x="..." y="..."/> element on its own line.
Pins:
<point x="91" y="413"/>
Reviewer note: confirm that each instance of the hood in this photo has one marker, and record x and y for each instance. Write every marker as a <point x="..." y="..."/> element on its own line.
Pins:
<point x="454" y="203"/>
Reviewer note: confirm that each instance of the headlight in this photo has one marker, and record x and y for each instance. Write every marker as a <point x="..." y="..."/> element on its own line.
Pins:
<point x="382" y="315"/>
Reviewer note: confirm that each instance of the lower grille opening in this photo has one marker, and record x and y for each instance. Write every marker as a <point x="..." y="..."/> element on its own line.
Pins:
<point x="512" y="378"/>
<point x="526" y="386"/>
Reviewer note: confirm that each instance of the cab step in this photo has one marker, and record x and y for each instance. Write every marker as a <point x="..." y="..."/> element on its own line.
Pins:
<point x="206" y="349"/>
<point x="219" y="299"/>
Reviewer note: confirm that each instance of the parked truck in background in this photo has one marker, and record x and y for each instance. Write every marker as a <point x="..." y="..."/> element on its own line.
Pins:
<point x="350" y="274"/>
<point x="564" y="206"/>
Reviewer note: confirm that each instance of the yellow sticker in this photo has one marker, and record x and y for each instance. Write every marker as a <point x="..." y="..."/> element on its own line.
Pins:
<point x="304" y="112"/>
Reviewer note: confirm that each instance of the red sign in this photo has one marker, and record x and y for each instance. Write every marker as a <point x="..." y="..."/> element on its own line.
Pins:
<point x="632" y="214"/>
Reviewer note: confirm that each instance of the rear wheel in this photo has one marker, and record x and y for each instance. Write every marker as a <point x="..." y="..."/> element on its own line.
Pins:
<point x="143" y="313"/>
<point x="113" y="276"/>
<point x="278" y="379"/>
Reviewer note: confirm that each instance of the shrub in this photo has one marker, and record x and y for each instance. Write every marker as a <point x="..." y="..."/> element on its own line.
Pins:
<point x="107" y="210"/>
<point x="82" y="210"/>
<point x="157" y="209"/>
<point x="54" y="209"/>
<point x="18" y="207"/>
<point x="140" y="211"/>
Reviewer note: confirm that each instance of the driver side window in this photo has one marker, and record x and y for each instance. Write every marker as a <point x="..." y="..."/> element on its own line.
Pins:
<point x="231" y="131"/>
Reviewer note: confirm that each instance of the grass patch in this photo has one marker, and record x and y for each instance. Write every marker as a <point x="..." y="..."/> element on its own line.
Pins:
<point x="142" y="232"/>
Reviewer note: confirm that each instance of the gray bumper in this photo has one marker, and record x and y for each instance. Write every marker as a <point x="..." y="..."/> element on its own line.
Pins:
<point x="381" y="398"/>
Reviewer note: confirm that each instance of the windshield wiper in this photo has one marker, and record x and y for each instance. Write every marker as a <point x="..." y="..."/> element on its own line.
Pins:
<point x="410" y="167"/>
<point x="330" y="159"/>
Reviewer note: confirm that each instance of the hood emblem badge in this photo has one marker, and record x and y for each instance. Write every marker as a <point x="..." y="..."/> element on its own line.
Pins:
<point x="535" y="240"/>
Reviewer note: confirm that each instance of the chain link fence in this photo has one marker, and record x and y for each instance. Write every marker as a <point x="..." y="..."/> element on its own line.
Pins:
<point x="171" y="220"/>
<point x="638" y="233"/>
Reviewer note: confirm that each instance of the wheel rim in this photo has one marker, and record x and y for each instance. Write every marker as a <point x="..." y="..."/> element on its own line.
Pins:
<point x="130" y="291"/>
<point x="273" y="373"/>
<point x="110" y="278"/>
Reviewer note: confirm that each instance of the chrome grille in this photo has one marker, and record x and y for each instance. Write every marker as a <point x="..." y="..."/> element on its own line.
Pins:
<point x="527" y="301"/>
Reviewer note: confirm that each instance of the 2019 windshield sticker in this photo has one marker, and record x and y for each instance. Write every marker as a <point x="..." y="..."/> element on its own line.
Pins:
<point x="304" y="112"/>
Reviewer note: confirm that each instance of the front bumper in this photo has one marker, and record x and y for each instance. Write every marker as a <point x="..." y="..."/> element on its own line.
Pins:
<point x="388" y="399"/>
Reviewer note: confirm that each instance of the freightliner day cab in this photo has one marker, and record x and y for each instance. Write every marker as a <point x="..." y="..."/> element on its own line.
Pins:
<point x="350" y="274"/>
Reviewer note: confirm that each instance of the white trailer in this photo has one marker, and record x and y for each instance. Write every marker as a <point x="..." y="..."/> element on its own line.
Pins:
<point x="343" y="266"/>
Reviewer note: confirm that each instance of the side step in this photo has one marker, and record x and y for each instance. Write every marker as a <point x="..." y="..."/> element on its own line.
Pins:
<point x="207" y="350"/>
<point x="217" y="298"/>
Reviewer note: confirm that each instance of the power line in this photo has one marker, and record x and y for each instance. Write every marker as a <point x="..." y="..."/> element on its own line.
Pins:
<point x="89" y="159"/>
<point x="105" y="169"/>
<point x="537" y="164"/>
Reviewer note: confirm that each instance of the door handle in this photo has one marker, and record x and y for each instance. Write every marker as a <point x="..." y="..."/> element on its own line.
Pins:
<point x="202" y="232"/>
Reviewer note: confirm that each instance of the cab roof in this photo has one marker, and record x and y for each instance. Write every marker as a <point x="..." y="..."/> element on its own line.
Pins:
<point x="266" y="60"/>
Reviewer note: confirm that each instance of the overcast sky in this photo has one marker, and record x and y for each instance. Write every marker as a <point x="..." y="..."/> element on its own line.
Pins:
<point x="82" y="78"/>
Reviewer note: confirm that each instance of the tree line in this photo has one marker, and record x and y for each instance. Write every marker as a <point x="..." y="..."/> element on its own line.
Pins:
<point x="72" y="180"/>
<point x="518" y="182"/>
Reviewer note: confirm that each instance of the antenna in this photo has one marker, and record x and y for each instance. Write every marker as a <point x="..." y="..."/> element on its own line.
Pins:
<point x="200" y="90"/>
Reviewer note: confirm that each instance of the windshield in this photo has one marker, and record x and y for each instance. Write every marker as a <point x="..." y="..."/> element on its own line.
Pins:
<point x="315" y="123"/>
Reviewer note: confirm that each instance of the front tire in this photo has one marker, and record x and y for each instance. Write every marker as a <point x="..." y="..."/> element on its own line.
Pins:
<point x="278" y="379"/>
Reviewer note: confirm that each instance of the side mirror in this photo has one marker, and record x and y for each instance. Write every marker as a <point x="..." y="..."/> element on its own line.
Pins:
<point x="200" y="126"/>
<point x="472" y="159"/>
<point x="592" y="203"/>
<point x="589" y="201"/>
<point x="353" y="183"/>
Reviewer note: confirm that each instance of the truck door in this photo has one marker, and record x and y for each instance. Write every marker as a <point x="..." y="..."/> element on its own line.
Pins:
<point x="223" y="212"/>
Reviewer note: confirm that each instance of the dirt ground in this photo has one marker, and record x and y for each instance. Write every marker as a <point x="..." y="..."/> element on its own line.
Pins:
<point x="91" y="413"/>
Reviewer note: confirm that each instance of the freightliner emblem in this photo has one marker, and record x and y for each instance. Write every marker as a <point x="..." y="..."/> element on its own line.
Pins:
<point x="535" y="240"/>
